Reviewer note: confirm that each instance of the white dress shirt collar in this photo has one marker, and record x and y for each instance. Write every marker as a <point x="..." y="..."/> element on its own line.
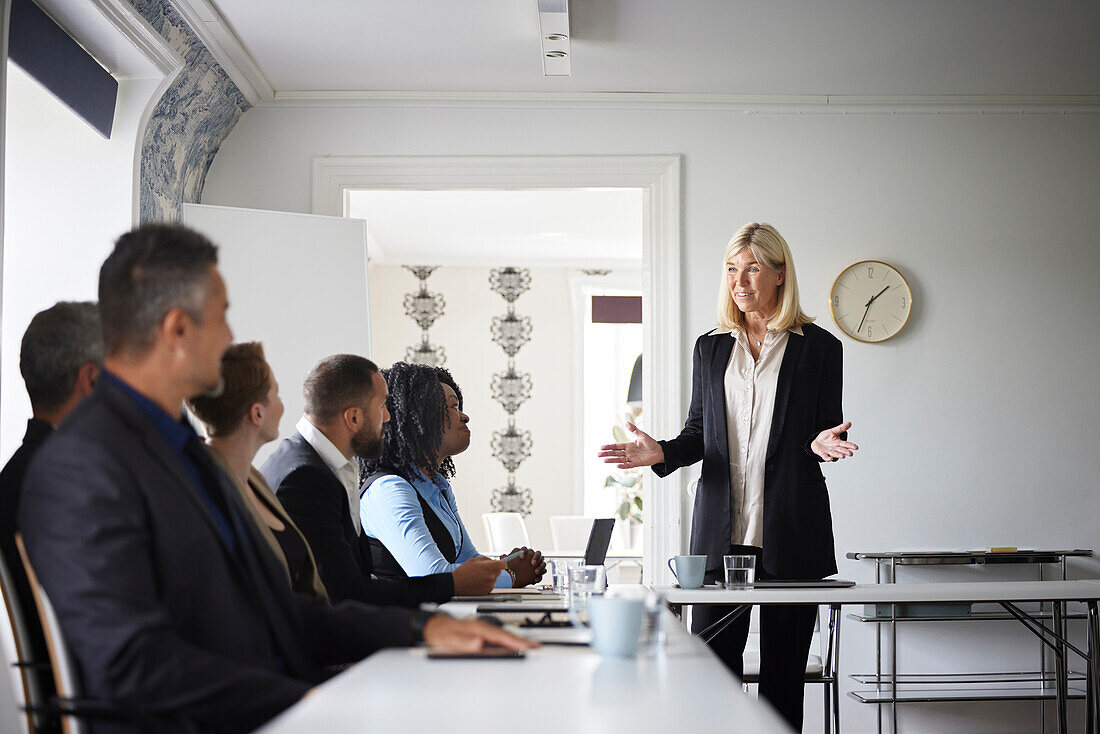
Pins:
<point x="345" y="469"/>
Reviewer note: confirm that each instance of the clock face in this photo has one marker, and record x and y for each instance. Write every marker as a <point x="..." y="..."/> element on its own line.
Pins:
<point x="871" y="301"/>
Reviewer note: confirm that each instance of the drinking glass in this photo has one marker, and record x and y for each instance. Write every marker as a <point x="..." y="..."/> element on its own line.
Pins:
<point x="559" y="570"/>
<point x="653" y="633"/>
<point x="585" y="581"/>
<point x="740" y="571"/>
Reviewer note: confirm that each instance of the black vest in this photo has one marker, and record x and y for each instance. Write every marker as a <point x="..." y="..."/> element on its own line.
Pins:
<point x="385" y="565"/>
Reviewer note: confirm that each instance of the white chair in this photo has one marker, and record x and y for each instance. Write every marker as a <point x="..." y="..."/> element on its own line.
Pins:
<point x="570" y="532"/>
<point x="65" y="675"/>
<point x="505" y="531"/>
<point x="820" y="667"/>
<point x="25" y="691"/>
<point x="74" y="709"/>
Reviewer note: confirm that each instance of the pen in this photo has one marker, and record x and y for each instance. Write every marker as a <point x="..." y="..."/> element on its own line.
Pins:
<point x="512" y="556"/>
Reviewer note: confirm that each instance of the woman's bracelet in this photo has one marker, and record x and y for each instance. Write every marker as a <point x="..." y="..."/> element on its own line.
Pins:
<point x="513" y="575"/>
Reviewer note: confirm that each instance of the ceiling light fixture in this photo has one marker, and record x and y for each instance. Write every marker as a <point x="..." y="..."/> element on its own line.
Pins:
<point x="554" y="29"/>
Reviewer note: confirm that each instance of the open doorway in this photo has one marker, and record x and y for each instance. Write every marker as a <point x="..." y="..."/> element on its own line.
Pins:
<point x="334" y="178"/>
<point x="486" y="284"/>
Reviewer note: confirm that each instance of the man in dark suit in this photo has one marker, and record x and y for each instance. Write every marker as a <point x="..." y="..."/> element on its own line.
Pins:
<point x="171" y="603"/>
<point x="316" y="476"/>
<point x="60" y="358"/>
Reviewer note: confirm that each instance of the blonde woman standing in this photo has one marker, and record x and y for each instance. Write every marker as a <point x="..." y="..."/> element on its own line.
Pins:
<point x="765" y="412"/>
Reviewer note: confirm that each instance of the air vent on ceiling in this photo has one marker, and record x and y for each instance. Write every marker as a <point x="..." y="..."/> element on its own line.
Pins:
<point x="554" y="32"/>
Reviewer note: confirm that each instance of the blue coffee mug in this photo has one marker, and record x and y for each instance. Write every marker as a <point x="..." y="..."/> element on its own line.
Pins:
<point x="689" y="571"/>
<point x="616" y="623"/>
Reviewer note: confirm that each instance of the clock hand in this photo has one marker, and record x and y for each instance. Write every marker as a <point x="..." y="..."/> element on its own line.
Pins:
<point x="877" y="295"/>
<point x="864" y="316"/>
<point x="868" y="307"/>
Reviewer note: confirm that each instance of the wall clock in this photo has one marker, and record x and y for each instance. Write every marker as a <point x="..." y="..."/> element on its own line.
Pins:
<point x="871" y="301"/>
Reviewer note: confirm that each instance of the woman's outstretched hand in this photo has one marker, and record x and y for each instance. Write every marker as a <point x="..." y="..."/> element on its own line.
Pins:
<point x="829" y="445"/>
<point x="642" y="451"/>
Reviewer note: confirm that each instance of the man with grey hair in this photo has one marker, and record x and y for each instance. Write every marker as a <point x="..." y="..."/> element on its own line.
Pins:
<point x="60" y="359"/>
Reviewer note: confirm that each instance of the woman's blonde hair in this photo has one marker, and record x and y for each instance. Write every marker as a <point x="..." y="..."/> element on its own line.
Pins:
<point x="770" y="249"/>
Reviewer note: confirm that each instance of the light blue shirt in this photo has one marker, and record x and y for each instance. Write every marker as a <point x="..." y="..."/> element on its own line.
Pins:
<point x="391" y="513"/>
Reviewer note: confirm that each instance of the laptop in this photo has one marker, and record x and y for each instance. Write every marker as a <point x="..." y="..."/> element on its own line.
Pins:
<point x="599" y="538"/>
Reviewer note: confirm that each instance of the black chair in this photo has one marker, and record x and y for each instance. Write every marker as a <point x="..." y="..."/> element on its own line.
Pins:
<point x="821" y="667"/>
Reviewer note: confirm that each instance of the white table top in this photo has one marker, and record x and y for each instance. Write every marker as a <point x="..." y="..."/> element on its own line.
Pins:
<point x="963" y="592"/>
<point x="682" y="688"/>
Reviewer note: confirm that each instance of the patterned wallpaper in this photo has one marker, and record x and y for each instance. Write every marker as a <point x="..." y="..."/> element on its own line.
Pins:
<point x="424" y="307"/>
<point x="188" y="124"/>
<point x="512" y="446"/>
<point x="511" y="388"/>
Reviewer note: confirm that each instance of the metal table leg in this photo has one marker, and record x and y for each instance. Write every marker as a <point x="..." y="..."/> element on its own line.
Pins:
<point x="878" y="650"/>
<point x="835" y="614"/>
<point x="1093" y="668"/>
<point x="1042" y="669"/>
<point x="893" y="654"/>
<point x="1090" y="680"/>
<point x="1060" y="676"/>
<point x="1059" y="644"/>
<point x="714" y="629"/>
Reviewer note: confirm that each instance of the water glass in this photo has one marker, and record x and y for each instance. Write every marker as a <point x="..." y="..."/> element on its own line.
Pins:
<point x="559" y="572"/>
<point x="585" y="581"/>
<point x="653" y="633"/>
<point x="740" y="571"/>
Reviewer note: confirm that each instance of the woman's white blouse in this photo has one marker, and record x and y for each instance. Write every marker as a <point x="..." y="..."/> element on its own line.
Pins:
<point x="750" y="401"/>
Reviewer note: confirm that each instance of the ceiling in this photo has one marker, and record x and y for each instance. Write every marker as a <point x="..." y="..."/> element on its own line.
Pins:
<point x="711" y="47"/>
<point x="589" y="228"/>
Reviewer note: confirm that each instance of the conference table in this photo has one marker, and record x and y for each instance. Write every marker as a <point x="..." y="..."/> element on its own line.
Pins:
<point x="1008" y="594"/>
<point x="680" y="686"/>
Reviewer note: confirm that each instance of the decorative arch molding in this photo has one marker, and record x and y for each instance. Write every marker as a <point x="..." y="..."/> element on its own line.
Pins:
<point x="197" y="108"/>
<point x="658" y="176"/>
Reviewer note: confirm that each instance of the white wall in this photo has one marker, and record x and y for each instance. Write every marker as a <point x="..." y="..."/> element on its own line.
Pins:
<point x="472" y="358"/>
<point x="978" y="425"/>
<point x="257" y="249"/>
<point x="68" y="196"/>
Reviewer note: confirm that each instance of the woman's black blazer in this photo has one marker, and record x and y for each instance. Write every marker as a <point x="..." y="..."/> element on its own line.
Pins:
<point x="798" y="527"/>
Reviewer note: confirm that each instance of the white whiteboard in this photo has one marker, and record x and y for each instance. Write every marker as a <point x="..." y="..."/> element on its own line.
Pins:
<point x="297" y="283"/>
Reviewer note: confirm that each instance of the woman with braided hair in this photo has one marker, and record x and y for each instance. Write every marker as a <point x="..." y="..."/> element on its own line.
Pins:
<point x="408" y="509"/>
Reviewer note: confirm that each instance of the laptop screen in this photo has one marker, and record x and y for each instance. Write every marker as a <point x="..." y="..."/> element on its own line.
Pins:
<point x="598" y="540"/>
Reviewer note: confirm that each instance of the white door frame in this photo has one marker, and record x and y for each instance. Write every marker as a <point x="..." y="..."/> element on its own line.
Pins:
<point x="333" y="177"/>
